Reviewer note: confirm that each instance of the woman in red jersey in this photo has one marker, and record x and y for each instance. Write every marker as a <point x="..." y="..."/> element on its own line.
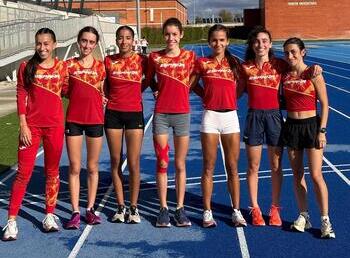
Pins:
<point x="261" y="77"/>
<point x="219" y="73"/>
<point x="84" y="114"/>
<point x="124" y="115"/>
<point x="305" y="130"/>
<point x="40" y="111"/>
<point x="262" y="74"/>
<point x="172" y="67"/>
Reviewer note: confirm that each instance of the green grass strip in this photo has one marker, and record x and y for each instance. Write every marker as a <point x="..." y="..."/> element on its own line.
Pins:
<point x="8" y="141"/>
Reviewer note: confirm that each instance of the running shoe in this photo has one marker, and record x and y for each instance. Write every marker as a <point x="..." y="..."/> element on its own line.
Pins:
<point x="119" y="216"/>
<point x="163" y="219"/>
<point x="208" y="219"/>
<point x="275" y="218"/>
<point x="49" y="223"/>
<point x="134" y="216"/>
<point x="302" y="223"/>
<point x="74" y="222"/>
<point x="238" y="219"/>
<point x="257" y="218"/>
<point x="181" y="218"/>
<point x="326" y="229"/>
<point x="91" y="218"/>
<point x="10" y="231"/>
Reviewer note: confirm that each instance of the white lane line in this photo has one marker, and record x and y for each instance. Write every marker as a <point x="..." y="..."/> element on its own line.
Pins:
<point x="26" y="201"/>
<point x="240" y="232"/>
<point x="338" y="75"/>
<point x="341" y="113"/>
<point x="84" y="194"/>
<point x="202" y="51"/>
<point x="338" y="88"/>
<point x="88" y="228"/>
<point x="336" y="170"/>
<point x="310" y="61"/>
<point x="13" y="169"/>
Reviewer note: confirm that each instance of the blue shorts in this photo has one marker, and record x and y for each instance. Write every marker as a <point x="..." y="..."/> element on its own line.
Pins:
<point x="263" y="125"/>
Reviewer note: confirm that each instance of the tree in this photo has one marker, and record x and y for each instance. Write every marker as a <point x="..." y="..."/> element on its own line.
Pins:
<point x="199" y="19"/>
<point x="226" y="16"/>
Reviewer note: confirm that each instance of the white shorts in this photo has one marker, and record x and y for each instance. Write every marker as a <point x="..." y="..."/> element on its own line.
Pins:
<point x="220" y="122"/>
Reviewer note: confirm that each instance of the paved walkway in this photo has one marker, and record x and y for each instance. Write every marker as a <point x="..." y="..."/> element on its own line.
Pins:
<point x="7" y="98"/>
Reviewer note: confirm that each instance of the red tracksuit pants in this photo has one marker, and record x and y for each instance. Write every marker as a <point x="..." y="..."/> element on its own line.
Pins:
<point x="52" y="138"/>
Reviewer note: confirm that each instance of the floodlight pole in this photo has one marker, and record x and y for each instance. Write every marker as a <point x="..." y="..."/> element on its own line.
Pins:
<point x="194" y="11"/>
<point x="138" y="24"/>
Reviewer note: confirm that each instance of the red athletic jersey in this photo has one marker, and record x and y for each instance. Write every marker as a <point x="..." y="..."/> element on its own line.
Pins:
<point x="123" y="84"/>
<point x="173" y="80"/>
<point x="41" y="100"/>
<point x="263" y="84"/>
<point x="299" y="92"/>
<point x="85" y="92"/>
<point x="219" y="83"/>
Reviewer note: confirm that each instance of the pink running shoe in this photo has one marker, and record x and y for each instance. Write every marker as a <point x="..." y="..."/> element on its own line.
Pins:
<point x="91" y="218"/>
<point x="74" y="222"/>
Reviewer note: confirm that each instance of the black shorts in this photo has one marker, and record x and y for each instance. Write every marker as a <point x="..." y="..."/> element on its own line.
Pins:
<point x="301" y="134"/>
<point x="74" y="129"/>
<point x="123" y="120"/>
<point x="263" y="125"/>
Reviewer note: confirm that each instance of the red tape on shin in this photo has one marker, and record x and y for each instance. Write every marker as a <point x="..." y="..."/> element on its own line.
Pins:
<point x="162" y="157"/>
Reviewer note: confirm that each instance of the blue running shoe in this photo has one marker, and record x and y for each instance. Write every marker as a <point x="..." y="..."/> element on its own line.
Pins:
<point x="163" y="219"/>
<point x="181" y="218"/>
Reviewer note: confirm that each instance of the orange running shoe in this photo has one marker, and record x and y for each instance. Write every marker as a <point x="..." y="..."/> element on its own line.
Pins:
<point x="257" y="218"/>
<point x="275" y="219"/>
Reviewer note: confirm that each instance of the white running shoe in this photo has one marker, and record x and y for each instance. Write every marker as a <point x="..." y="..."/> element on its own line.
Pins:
<point x="326" y="229"/>
<point x="10" y="231"/>
<point x="134" y="216"/>
<point x="50" y="223"/>
<point x="208" y="220"/>
<point x="302" y="223"/>
<point x="238" y="219"/>
<point x="119" y="216"/>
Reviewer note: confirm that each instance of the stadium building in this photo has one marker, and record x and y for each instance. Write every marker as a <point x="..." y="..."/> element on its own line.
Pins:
<point x="308" y="19"/>
<point x="152" y="12"/>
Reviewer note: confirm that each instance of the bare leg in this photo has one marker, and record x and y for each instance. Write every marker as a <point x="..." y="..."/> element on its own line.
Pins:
<point x="254" y="157"/>
<point x="209" y="148"/>
<point x="133" y="139"/>
<point x="93" y="146"/>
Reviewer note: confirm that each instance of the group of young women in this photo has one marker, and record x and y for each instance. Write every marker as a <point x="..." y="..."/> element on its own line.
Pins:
<point x="171" y="73"/>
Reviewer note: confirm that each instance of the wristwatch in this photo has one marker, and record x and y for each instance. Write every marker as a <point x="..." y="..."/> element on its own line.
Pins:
<point x="323" y="130"/>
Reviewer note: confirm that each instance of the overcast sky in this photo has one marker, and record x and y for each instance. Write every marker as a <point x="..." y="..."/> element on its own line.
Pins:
<point x="208" y="7"/>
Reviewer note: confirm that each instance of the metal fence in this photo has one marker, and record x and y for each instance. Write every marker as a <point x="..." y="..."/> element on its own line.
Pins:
<point x="13" y="14"/>
<point x="19" y="36"/>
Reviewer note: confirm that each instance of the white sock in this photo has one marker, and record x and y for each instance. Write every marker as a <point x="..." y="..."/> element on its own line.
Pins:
<point x="325" y="218"/>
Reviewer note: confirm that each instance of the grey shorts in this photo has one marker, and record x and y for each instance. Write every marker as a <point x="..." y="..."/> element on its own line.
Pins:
<point x="179" y="122"/>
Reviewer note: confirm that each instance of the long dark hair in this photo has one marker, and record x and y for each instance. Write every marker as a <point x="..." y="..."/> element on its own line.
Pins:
<point x="173" y="22"/>
<point x="124" y="27"/>
<point x="249" y="53"/>
<point x="91" y="30"/>
<point x="30" y="70"/>
<point x="231" y="59"/>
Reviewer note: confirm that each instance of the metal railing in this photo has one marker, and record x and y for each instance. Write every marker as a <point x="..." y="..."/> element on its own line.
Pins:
<point x="13" y="14"/>
<point x="19" y="36"/>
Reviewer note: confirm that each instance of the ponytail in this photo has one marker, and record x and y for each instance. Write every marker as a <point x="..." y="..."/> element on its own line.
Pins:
<point x="31" y="67"/>
<point x="233" y="63"/>
<point x="30" y="70"/>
